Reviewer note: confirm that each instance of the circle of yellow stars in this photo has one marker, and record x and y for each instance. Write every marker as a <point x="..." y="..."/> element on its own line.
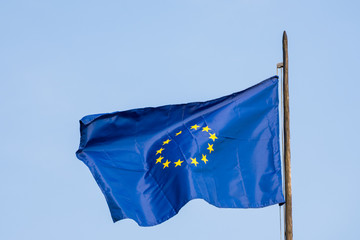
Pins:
<point x="193" y="162"/>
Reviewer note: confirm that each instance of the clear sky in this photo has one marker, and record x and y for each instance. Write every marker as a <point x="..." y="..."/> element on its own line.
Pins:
<point x="61" y="60"/>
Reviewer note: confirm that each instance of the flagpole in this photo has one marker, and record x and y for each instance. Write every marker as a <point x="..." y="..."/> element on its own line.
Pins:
<point x="288" y="195"/>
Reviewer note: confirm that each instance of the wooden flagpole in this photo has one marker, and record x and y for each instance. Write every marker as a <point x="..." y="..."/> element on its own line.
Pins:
<point x="288" y="195"/>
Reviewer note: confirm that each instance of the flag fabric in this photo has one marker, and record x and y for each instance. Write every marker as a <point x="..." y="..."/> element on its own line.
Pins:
<point x="150" y="162"/>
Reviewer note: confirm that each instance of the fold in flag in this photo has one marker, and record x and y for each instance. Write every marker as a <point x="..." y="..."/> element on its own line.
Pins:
<point x="150" y="162"/>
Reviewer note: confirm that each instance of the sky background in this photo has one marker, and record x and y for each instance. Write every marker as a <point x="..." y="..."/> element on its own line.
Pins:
<point x="62" y="60"/>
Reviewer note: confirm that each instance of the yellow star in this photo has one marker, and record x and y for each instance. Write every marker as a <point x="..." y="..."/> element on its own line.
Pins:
<point x="213" y="137"/>
<point x="166" y="164"/>
<point x="210" y="148"/>
<point x="206" y="129"/>
<point x="159" y="151"/>
<point x="177" y="134"/>
<point x="193" y="161"/>
<point x="195" y="127"/>
<point x="204" y="158"/>
<point x="166" y="142"/>
<point x="178" y="163"/>
<point x="159" y="159"/>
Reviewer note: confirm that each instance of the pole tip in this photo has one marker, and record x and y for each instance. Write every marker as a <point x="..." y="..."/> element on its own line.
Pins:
<point x="285" y="36"/>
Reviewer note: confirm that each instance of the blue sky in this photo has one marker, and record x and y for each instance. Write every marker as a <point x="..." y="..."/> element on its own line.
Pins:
<point x="61" y="60"/>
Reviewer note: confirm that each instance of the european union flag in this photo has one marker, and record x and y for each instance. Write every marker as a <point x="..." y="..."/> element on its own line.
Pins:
<point x="150" y="162"/>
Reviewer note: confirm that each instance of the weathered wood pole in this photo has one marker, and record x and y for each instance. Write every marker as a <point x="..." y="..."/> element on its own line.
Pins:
<point x="288" y="196"/>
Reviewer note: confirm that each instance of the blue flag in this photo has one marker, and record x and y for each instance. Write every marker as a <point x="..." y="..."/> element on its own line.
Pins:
<point x="150" y="162"/>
